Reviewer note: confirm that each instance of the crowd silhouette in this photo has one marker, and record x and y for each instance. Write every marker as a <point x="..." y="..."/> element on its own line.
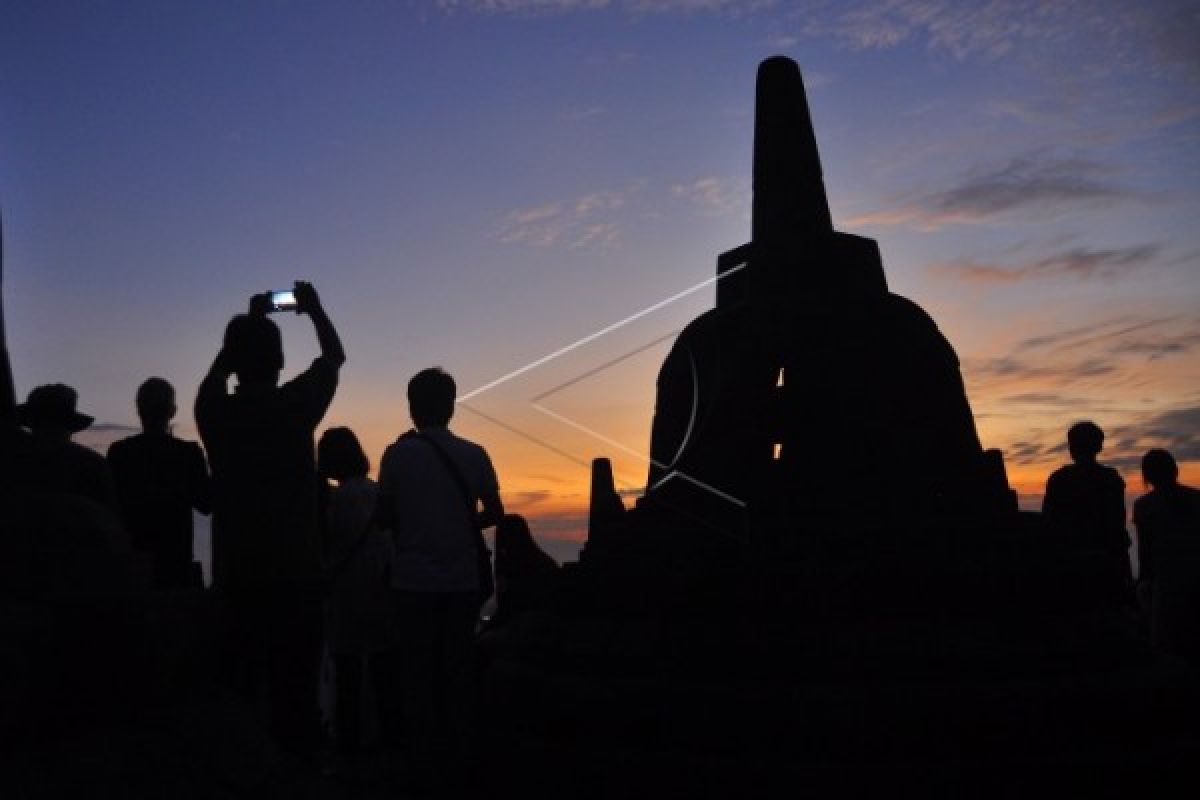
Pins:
<point x="314" y="562"/>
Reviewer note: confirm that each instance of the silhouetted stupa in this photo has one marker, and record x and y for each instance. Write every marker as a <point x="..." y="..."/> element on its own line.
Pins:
<point x="810" y="390"/>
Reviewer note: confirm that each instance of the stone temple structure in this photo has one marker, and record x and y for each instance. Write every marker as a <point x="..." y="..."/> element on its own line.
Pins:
<point x="810" y="390"/>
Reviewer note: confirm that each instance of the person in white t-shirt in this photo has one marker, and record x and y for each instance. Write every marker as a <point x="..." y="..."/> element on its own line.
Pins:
<point x="436" y="492"/>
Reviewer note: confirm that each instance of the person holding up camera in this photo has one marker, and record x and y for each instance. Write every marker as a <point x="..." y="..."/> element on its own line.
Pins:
<point x="267" y="555"/>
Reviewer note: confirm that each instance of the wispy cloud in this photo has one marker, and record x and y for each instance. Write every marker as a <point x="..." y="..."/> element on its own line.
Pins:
<point x="1178" y="430"/>
<point x="583" y="112"/>
<point x="1162" y="33"/>
<point x="1113" y="331"/>
<point x="1044" y="399"/>
<point x="636" y="6"/>
<point x="963" y="29"/>
<point x="1049" y="186"/>
<point x="712" y="196"/>
<point x="112" y="427"/>
<point x="587" y="221"/>
<point x="522" y="6"/>
<point x="1077" y="263"/>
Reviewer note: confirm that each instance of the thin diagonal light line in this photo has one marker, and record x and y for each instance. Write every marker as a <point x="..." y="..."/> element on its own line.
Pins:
<point x="525" y="435"/>
<point x="614" y="443"/>
<point x="602" y="367"/>
<point x="591" y="337"/>
<point x="584" y="429"/>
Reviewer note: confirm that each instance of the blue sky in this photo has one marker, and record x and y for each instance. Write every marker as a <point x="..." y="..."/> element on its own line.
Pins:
<point x="477" y="184"/>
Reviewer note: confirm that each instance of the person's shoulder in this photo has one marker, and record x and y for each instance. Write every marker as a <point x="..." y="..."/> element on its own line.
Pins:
<point x="186" y="448"/>
<point x="122" y="446"/>
<point x="84" y="453"/>
<point x="403" y="445"/>
<point x="1112" y="475"/>
<point x="464" y="444"/>
<point x="1064" y="473"/>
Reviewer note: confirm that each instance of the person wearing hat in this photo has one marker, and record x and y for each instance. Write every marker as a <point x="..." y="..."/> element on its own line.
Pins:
<point x="56" y="463"/>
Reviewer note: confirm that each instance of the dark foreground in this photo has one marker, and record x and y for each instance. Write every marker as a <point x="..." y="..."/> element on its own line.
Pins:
<point x="978" y="672"/>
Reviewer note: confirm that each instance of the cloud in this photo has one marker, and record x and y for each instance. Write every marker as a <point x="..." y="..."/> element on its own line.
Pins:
<point x="989" y="29"/>
<point x="712" y="196"/>
<point x="1178" y="430"/>
<point x="734" y="7"/>
<point x="1156" y="347"/>
<point x="1035" y="182"/>
<point x="1075" y="263"/>
<point x="587" y="221"/>
<point x="522" y="6"/>
<point x="1043" y="399"/>
<point x="1116" y="330"/>
<point x="528" y="498"/>
<point x="113" y="427"/>
<point x="1005" y="367"/>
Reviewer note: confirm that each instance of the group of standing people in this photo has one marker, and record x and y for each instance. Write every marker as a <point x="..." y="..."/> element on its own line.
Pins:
<point x="308" y="553"/>
<point x="1085" y="500"/>
<point x="307" y="549"/>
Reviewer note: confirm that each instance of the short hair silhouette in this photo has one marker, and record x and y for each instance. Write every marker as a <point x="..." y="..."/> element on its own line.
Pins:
<point x="254" y="345"/>
<point x="1159" y="468"/>
<point x="155" y="401"/>
<point x="340" y="456"/>
<point x="431" y="394"/>
<point x="1085" y="439"/>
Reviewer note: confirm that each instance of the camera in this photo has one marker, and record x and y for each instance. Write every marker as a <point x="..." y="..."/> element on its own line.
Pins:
<point x="283" y="300"/>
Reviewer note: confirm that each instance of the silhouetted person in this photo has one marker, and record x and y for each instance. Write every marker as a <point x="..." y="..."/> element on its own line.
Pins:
<point x="358" y="608"/>
<point x="1168" y="535"/>
<point x="525" y="574"/>
<point x="267" y="560"/>
<point x="1085" y="502"/>
<point x="55" y="463"/>
<point x="431" y="485"/>
<point x="159" y="480"/>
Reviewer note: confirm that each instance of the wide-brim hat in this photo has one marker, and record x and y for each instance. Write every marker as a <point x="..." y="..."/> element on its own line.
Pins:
<point x="53" y="404"/>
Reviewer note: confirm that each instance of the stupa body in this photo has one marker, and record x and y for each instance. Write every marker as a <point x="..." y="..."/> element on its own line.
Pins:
<point x="810" y="392"/>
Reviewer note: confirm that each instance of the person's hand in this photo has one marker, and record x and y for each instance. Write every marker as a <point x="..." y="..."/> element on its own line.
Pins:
<point x="260" y="304"/>
<point x="307" y="300"/>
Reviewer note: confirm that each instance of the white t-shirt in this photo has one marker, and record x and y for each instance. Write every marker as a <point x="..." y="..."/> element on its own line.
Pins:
<point x="434" y="536"/>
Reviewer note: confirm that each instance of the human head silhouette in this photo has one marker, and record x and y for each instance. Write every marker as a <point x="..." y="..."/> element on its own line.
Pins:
<point x="340" y="456"/>
<point x="155" y="404"/>
<point x="255" y="348"/>
<point x="431" y="394"/>
<point x="1084" y="441"/>
<point x="1159" y="468"/>
<point x="49" y="412"/>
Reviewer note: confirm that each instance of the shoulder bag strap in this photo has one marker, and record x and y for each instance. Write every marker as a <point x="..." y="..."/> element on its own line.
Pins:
<point x="483" y="554"/>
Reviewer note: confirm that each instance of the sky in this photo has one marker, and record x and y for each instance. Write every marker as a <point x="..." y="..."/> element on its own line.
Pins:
<point x="533" y="193"/>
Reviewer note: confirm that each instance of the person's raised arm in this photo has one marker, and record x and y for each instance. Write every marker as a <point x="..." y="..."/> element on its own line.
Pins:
<point x="308" y="302"/>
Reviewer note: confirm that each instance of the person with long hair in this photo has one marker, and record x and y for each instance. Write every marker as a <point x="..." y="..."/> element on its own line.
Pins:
<point x="357" y="553"/>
